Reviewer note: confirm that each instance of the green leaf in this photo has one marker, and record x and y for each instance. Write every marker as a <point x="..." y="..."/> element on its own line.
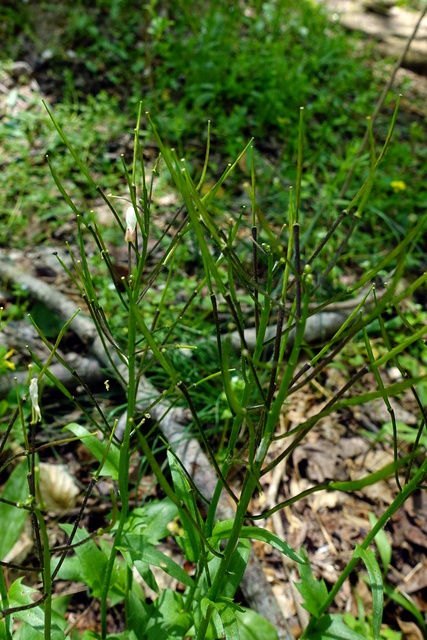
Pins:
<point x="313" y="591"/>
<point x="97" y="449"/>
<point x="20" y="594"/>
<point x="229" y="622"/>
<point x="215" y="629"/>
<point x="71" y="569"/>
<point x="236" y="569"/>
<point x="144" y="571"/>
<point x="139" y="614"/>
<point x="405" y="432"/>
<point x="252" y="626"/>
<point x="140" y="549"/>
<point x="389" y="634"/>
<point x="383" y="544"/>
<point x="235" y="572"/>
<point x="60" y="604"/>
<point x="92" y="560"/>
<point x="375" y="578"/>
<point x="119" y="587"/>
<point x="330" y="626"/>
<point x="46" y="320"/>
<point x="190" y="541"/>
<point x="168" y="618"/>
<point x="222" y="530"/>
<point x="151" y="520"/>
<point x="11" y="518"/>
<point x="405" y="601"/>
<point x="25" y="632"/>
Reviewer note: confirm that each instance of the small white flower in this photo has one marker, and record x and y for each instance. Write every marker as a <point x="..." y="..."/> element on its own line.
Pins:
<point x="130" y="235"/>
<point x="36" y="415"/>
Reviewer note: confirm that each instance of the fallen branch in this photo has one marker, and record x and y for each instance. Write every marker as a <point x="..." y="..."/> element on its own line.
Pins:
<point x="22" y="336"/>
<point x="88" y="369"/>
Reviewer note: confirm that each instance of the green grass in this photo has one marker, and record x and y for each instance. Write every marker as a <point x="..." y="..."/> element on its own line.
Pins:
<point x="27" y="192"/>
<point x="248" y="70"/>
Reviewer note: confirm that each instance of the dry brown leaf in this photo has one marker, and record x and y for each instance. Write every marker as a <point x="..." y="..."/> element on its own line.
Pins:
<point x="325" y="500"/>
<point x="364" y="594"/>
<point x="416" y="580"/>
<point x="57" y="487"/>
<point x="284" y="597"/>
<point x="373" y="460"/>
<point x="380" y="493"/>
<point x="410" y="631"/>
<point x="379" y="412"/>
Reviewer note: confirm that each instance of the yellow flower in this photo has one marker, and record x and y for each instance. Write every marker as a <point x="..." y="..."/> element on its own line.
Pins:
<point x="398" y="185"/>
<point x="6" y="360"/>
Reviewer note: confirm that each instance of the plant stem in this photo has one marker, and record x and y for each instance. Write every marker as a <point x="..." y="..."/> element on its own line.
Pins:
<point x="47" y="578"/>
<point x="3" y="600"/>
<point x="249" y="484"/>
<point x="123" y="462"/>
